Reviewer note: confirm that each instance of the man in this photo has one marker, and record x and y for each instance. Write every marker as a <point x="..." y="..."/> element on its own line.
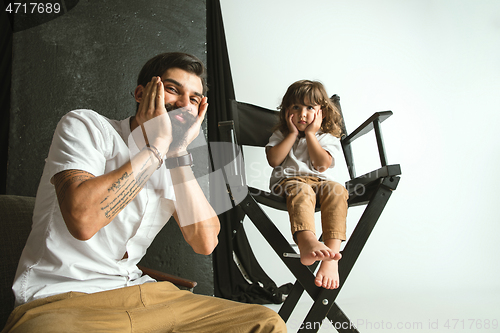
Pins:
<point x="103" y="197"/>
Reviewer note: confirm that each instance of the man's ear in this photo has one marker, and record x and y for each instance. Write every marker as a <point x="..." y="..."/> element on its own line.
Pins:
<point x="139" y="90"/>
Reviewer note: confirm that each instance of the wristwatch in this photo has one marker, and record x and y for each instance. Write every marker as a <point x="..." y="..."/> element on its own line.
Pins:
<point x="175" y="162"/>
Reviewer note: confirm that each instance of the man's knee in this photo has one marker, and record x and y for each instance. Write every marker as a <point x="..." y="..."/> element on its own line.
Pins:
<point x="272" y="322"/>
<point x="73" y="320"/>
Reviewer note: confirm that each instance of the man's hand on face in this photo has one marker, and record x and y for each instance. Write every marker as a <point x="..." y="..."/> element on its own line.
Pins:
<point x="152" y="115"/>
<point x="186" y="123"/>
<point x="164" y="124"/>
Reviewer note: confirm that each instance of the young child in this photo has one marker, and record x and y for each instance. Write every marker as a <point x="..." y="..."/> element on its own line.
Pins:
<point x="302" y="150"/>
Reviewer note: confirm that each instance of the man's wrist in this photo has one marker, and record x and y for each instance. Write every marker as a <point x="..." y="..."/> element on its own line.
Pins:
<point x="161" y="145"/>
<point x="176" y="153"/>
<point x="156" y="153"/>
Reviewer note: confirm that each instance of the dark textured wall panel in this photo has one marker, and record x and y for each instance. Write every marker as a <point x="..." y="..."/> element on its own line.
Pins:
<point x="89" y="57"/>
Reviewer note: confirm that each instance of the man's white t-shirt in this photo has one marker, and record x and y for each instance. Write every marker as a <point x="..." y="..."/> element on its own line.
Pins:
<point x="53" y="261"/>
<point x="298" y="162"/>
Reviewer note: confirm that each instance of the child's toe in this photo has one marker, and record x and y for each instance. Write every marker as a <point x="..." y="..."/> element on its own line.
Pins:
<point x="318" y="281"/>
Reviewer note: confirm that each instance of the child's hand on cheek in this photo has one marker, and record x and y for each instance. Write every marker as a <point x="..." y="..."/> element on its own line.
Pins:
<point x="315" y="126"/>
<point x="291" y="126"/>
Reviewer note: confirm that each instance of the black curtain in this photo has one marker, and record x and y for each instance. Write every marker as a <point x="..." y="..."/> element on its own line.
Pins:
<point x="5" y="75"/>
<point x="229" y="281"/>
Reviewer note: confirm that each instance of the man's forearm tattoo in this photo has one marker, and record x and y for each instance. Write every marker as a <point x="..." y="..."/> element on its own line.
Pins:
<point x="125" y="189"/>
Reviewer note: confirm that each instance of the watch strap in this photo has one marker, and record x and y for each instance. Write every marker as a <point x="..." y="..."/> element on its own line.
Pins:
<point x="175" y="162"/>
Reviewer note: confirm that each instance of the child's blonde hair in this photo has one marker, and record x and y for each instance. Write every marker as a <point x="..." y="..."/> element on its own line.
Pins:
<point x="311" y="93"/>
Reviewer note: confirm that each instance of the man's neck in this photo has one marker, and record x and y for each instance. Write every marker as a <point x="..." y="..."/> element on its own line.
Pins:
<point x="133" y="124"/>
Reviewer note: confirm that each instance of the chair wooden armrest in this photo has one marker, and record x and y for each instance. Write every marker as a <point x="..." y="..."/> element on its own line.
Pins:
<point x="161" y="276"/>
<point x="367" y="126"/>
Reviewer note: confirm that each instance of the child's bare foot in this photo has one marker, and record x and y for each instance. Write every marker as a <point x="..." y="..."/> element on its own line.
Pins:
<point x="312" y="250"/>
<point x="328" y="275"/>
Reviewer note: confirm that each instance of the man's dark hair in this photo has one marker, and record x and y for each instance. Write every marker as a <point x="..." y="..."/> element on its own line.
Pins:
<point x="159" y="64"/>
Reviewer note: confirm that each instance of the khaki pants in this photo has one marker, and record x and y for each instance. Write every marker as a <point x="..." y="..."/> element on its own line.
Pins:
<point x="301" y="194"/>
<point x="151" y="307"/>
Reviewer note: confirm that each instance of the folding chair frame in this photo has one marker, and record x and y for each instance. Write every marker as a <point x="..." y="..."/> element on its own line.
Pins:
<point x="373" y="190"/>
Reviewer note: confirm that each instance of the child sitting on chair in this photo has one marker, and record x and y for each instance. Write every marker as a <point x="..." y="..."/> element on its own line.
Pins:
<point x="302" y="150"/>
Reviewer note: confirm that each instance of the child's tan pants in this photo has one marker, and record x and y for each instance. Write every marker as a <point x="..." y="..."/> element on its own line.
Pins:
<point x="151" y="307"/>
<point x="301" y="194"/>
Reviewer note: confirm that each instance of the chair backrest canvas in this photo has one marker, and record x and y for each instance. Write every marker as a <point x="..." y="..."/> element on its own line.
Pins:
<point x="253" y="124"/>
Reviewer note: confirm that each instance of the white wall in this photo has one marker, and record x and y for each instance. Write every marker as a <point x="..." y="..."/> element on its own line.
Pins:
<point x="436" y="65"/>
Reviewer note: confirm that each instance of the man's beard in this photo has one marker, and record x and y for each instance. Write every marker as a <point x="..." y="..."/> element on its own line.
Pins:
<point x="179" y="128"/>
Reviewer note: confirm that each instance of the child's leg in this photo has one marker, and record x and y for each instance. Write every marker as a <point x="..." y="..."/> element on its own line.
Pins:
<point x="333" y="198"/>
<point x="301" y="202"/>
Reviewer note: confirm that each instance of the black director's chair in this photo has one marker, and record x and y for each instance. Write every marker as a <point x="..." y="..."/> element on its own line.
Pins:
<point x="252" y="125"/>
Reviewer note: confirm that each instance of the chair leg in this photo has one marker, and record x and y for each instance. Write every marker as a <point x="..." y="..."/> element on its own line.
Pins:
<point x="364" y="227"/>
<point x="340" y="321"/>
<point x="337" y="318"/>
<point x="291" y="301"/>
<point x="293" y="298"/>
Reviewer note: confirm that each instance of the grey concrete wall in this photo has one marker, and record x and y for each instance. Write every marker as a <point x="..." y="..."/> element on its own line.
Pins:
<point x="89" y="57"/>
